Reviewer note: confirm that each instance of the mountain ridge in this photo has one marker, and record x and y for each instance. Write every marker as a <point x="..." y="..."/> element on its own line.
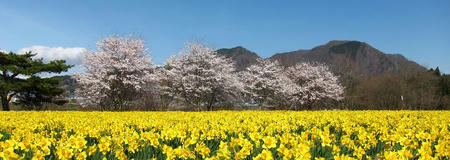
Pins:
<point x="240" y="55"/>
<point x="350" y="58"/>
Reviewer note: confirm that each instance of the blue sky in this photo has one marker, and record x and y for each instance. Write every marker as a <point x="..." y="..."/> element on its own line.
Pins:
<point x="420" y="30"/>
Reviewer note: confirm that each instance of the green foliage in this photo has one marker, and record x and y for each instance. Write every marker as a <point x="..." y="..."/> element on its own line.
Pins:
<point x="5" y="135"/>
<point x="38" y="90"/>
<point x="19" y="76"/>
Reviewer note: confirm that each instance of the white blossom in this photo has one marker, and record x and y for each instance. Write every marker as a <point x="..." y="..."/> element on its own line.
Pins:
<point x="199" y="77"/>
<point x="265" y="82"/>
<point x="119" y="67"/>
<point x="314" y="82"/>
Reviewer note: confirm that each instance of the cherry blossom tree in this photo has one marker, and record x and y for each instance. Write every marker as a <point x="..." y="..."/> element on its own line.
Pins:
<point x="116" y="73"/>
<point x="199" y="77"/>
<point x="266" y="83"/>
<point x="167" y="85"/>
<point x="314" y="82"/>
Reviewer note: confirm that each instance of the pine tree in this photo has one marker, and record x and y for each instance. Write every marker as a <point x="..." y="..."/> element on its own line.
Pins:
<point x="19" y="76"/>
<point x="437" y="72"/>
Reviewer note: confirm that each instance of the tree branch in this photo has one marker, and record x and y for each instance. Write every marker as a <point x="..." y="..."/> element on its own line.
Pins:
<point x="14" y="75"/>
<point x="10" y="96"/>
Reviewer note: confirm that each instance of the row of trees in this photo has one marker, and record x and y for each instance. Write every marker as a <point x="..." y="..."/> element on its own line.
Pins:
<point x="120" y="73"/>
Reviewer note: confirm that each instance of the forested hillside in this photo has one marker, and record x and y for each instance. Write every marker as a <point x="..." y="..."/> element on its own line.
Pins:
<point x="373" y="79"/>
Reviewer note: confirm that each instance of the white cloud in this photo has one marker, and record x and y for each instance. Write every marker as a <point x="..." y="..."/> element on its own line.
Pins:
<point x="71" y="55"/>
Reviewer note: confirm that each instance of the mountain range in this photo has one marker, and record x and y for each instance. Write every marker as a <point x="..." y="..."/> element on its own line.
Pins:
<point x="346" y="58"/>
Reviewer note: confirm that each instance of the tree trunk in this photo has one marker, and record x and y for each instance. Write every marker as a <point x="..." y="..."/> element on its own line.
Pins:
<point x="5" y="102"/>
<point x="211" y="102"/>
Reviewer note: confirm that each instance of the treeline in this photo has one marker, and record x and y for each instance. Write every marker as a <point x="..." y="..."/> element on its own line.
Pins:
<point x="121" y="76"/>
<point x="199" y="79"/>
<point x="424" y="91"/>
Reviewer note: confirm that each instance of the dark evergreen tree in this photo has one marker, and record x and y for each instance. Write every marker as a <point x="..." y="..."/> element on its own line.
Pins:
<point x="437" y="72"/>
<point x="38" y="90"/>
<point x="19" y="76"/>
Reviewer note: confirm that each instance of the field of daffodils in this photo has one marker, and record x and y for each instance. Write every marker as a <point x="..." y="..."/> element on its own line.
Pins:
<point x="225" y="135"/>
